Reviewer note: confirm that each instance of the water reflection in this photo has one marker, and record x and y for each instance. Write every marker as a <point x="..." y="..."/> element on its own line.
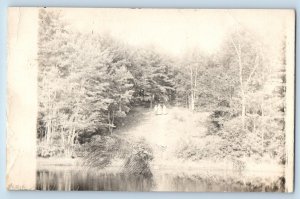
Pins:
<point x="68" y="180"/>
<point x="78" y="180"/>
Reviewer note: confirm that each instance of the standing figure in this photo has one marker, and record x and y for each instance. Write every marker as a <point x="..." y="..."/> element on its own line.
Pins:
<point x="155" y="109"/>
<point x="164" y="109"/>
<point x="159" y="110"/>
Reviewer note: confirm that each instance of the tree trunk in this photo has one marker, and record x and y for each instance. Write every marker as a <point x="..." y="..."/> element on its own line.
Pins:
<point x="111" y="119"/>
<point x="48" y="133"/>
<point x="192" y="91"/>
<point x="243" y="109"/>
<point x="187" y="101"/>
<point x="109" y="122"/>
<point x="151" y="102"/>
<point x="262" y="116"/>
<point x="195" y="86"/>
<point x="63" y="138"/>
<point x="69" y="147"/>
<point x="243" y="101"/>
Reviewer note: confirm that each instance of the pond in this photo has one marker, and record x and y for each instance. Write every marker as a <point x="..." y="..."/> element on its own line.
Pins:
<point x="68" y="180"/>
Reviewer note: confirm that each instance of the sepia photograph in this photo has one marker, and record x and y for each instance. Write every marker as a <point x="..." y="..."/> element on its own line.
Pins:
<point x="139" y="100"/>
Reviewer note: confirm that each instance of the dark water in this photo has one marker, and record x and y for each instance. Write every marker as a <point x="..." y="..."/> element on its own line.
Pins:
<point x="67" y="180"/>
<point x="78" y="180"/>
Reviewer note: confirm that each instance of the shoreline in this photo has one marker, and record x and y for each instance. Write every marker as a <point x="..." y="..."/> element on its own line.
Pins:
<point x="181" y="168"/>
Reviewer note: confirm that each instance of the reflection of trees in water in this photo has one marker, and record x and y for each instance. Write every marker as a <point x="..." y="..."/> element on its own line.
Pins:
<point x="78" y="180"/>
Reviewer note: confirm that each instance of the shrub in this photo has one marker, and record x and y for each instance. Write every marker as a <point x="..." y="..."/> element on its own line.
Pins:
<point x="47" y="151"/>
<point x="138" y="161"/>
<point x="101" y="150"/>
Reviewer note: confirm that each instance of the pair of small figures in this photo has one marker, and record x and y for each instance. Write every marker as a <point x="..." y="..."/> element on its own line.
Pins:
<point x="160" y="109"/>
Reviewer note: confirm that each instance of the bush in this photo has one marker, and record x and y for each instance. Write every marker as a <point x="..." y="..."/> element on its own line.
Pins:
<point x="49" y="151"/>
<point x="101" y="150"/>
<point x="195" y="150"/>
<point x="138" y="161"/>
<point x="219" y="117"/>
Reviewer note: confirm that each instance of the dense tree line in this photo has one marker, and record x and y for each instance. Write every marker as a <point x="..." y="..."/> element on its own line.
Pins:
<point x="245" y="92"/>
<point x="88" y="83"/>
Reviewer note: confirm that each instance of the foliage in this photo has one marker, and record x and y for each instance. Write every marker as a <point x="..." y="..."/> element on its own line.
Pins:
<point x="87" y="81"/>
<point x="101" y="150"/>
<point x="137" y="162"/>
<point x="88" y="84"/>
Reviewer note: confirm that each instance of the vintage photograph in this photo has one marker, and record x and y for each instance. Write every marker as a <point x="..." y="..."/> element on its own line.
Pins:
<point x="183" y="100"/>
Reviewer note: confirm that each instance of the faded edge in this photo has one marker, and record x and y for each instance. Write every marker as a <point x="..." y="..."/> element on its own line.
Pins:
<point x="21" y="99"/>
<point x="290" y="100"/>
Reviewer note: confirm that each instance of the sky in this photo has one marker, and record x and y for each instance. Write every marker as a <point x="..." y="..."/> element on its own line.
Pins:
<point x="175" y="31"/>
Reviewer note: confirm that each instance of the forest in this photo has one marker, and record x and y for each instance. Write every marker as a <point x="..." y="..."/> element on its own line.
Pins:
<point x="91" y="86"/>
